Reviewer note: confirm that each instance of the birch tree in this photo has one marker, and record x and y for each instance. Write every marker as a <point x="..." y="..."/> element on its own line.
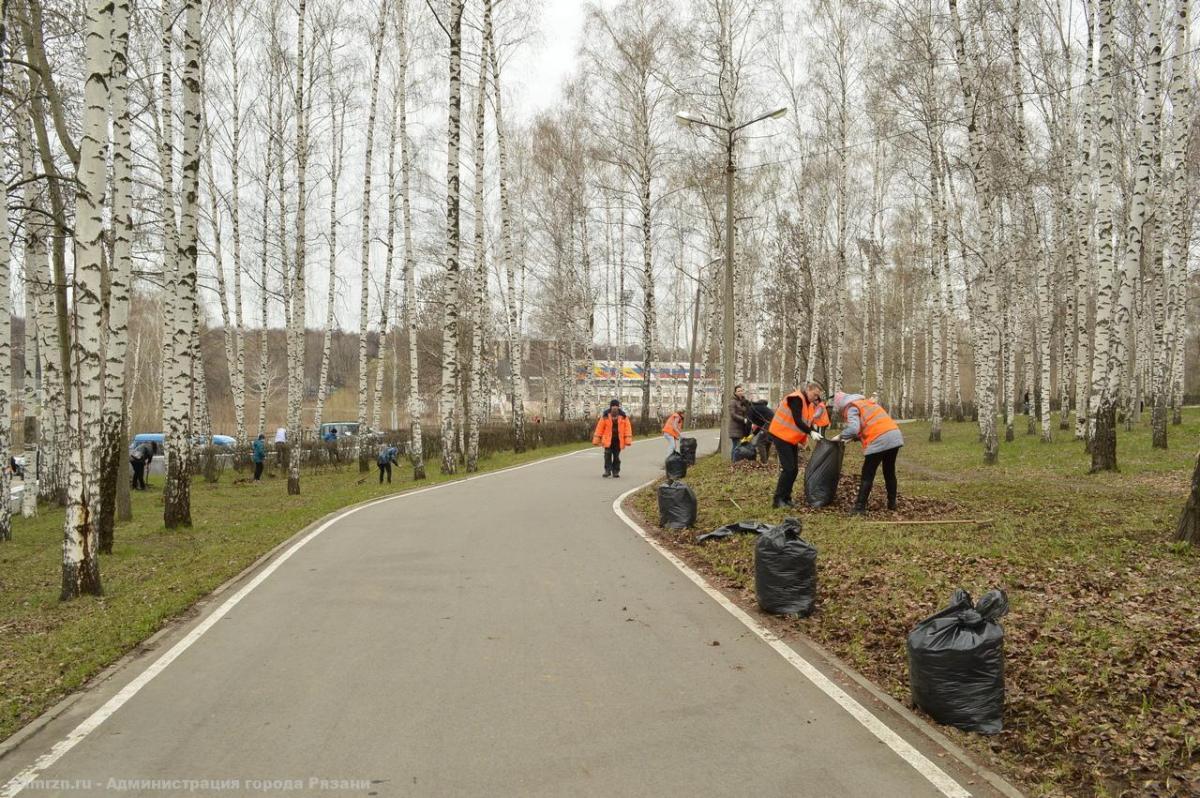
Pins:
<point x="178" y="380"/>
<point x="120" y="270"/>
<point x="515" y="361"/>
<point x="80" y="566"/>
<point x="365" y="235"/>
<point x="415" y="408"/>
<point x="296" y="336"/>
<point x="479" y="272"/>
<point x="450" y="369"/>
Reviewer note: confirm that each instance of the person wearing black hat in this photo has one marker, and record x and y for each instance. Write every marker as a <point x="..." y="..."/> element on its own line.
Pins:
<point x="614" y="432"/>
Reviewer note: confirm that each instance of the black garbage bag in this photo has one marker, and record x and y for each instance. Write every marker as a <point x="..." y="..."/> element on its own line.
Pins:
<point x="956" y="663"/>
<point x="785" y="570"/>
<point x="687" y="448"/>
<point x="745" y="451"/>
<point x="676" y="505"/>
<point x="822" y="473"/>
<point x="739" y="528"/>
<point x="676" y="466"/>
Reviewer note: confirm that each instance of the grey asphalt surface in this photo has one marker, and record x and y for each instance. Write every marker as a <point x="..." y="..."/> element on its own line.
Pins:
<point x="504" y="636"/>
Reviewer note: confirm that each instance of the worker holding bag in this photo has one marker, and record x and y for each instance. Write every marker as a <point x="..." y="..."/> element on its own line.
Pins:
<point x="791" y="428"/>
<point x="881" y="440"/>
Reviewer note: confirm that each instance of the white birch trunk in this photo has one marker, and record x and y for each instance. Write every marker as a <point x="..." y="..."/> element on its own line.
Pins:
<point x="474" y="412"/>
<point x="80" y="564"/>
<point x="237" y="369"/>
<point x="365" y="237"/>
<point x="385" y="308"/>
<point x="338" y="133"/>
<point x="516" y="383"/>
<point x="296" y="331"/>
<point x="177" y="496"/>
<point x="1103" y="404"/>
<point x="415" y="406"/>
<point x="450" y="369"/>
<point x="112" y="431"/>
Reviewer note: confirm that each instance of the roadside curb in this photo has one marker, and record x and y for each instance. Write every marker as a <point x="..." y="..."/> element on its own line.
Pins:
<point x="626" y="512"/>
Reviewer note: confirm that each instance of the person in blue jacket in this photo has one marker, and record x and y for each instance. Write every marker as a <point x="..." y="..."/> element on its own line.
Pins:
<point x="387" y="459"/>
<point x="258" y="453"/>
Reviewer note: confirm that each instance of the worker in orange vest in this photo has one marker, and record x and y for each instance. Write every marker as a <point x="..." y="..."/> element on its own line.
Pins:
<point x="614" y="432"/>
<point x="881" y="440"/>
<point x="673" y="430"/>
<point x="790" y="429"/>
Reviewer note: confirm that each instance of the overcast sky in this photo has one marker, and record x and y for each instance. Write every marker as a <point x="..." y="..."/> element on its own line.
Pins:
<point x="543" y="63"/>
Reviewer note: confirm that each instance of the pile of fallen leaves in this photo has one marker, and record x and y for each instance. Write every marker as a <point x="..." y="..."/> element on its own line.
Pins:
<point x="1102" y="659"/>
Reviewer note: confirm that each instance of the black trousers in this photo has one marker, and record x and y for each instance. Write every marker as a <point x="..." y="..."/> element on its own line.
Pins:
<point x="870" y="465"/>
<point x="258" y="469"/>
<point x="139" y="474"/>
<point x="385" y="468"/>
<point x="789" y="467"/>
<point x="612" y="460"/>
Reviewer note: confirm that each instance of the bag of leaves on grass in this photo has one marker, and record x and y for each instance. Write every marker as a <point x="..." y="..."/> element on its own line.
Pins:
<point x="956" y="663"/>
<point x="687" y="448"/>
<point x="738" y="528"/>
<point x="676" y="505"/>
<point x="745" y="451"/>
<point x="676" y="466"/>
<point x="822" y="473"/>
<point x="785" y="570"/>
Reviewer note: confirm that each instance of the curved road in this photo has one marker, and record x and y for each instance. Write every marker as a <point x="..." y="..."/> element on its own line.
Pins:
<point x="504" y="635"/>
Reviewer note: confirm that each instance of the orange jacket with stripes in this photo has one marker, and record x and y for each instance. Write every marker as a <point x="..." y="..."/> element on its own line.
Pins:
<point x="673" y="426"/>
<point x="604" y="430"/>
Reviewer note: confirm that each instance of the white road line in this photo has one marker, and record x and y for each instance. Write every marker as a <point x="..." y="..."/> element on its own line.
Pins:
<point x="935" y="775"/>
<point x="26" y="777"/>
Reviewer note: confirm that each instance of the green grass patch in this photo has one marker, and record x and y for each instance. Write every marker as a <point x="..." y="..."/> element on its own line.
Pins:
<point x="50" y="648"/>
<point x="1102" y="644"/>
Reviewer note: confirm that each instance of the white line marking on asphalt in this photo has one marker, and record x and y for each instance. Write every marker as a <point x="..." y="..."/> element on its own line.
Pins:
<point x="46" y="760"/>
<point x="935" y="775"/>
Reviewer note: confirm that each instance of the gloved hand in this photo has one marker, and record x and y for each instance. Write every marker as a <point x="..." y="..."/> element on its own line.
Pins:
<point x="816" y="436"/>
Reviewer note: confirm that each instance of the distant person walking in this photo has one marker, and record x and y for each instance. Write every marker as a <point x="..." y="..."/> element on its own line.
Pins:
<point x="281" y="448"/>
<point x="739" y="418"/>
<point x="385" y="461"/>
<point x="258" y="453"/>
<point x="673" y="431"/>
<point x="881" y="440"/>
<point x="791" y="427"/>
<point x="614" y="432"/>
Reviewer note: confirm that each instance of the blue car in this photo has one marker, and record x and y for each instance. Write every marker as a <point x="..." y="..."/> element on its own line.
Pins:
<point x="158" y="441"/>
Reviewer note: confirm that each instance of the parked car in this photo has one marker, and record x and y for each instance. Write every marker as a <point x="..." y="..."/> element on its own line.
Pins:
<point x="158" y="441"/>
<point x="344" y="429"/>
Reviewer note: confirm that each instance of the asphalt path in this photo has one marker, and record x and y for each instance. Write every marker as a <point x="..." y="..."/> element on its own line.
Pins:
<point x="506" y="635"/>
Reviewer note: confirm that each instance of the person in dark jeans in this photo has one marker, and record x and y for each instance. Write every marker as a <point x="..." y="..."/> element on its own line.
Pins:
<point x="614" y="432"/>
<point x="258" y="454"/>
<point x="881" y="440"/>
<point x="739" y="418"/>
<point x="139" y="461"/>
<point x="790" y="428"/>
<point x="387" y="459"/>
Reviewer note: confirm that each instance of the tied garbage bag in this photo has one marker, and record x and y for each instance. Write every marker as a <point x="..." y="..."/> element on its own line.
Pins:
<point x="741" y="527"/>
<point x="822" y="473"/>
<point x="785" y="570"/>
<point x="687" y="448"/>
<point x="956" y="663"/>
<point x="745" y="451"/>
<point x="676" y="505"/>
<point x="676" y="466"/>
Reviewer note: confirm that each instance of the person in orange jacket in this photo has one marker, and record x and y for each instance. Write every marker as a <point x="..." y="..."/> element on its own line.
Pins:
<point x="614" y="432"/>
<point x="881" y="440"/>
<point x="673" y="430"/>
<point x="800" y="415"/>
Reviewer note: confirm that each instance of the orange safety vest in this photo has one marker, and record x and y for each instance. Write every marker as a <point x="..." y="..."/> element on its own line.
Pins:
<point x="818" y="419"/>
<point x="873" y="420"/>
<point x="674" y="425"/>
<point x="603" y="434"/>
<point x="784" y="426"/>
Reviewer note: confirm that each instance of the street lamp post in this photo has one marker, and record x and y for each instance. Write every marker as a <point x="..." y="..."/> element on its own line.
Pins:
<point x="728" y="353"/>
